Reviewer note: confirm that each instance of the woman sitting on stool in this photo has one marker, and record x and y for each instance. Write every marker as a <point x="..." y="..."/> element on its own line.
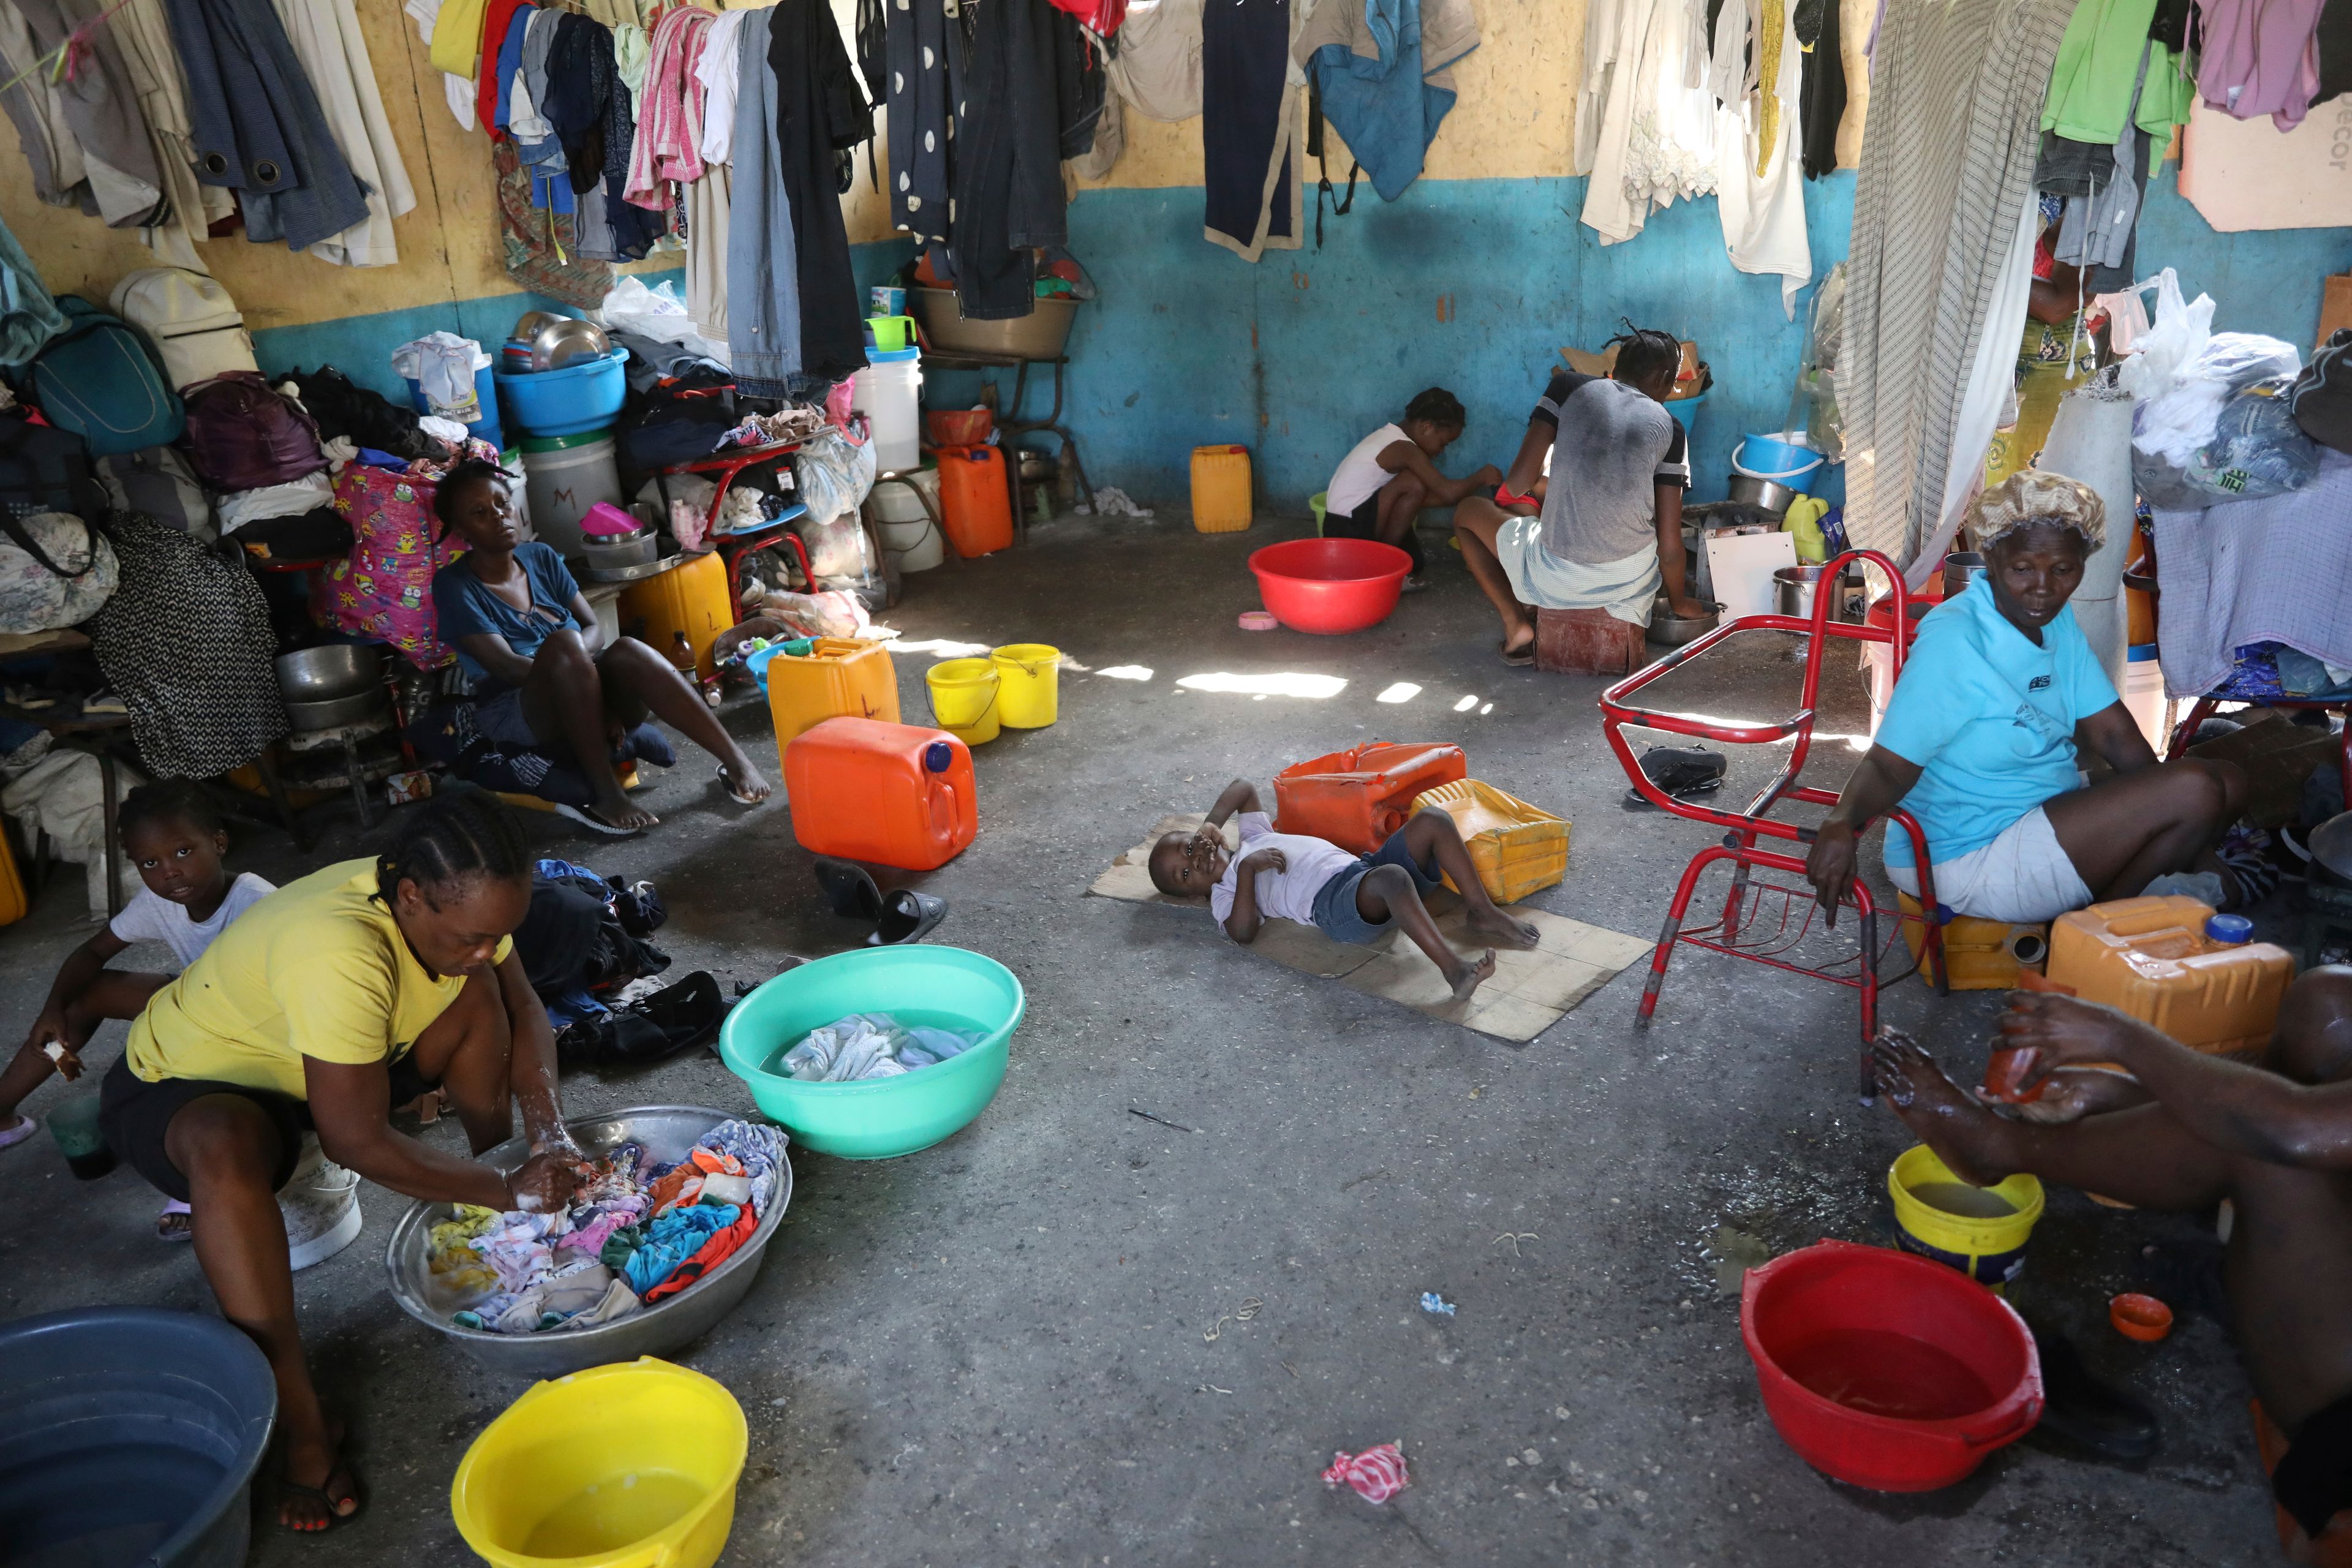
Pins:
<point x="544" y="677"/>
<point x="1999" y="693"/>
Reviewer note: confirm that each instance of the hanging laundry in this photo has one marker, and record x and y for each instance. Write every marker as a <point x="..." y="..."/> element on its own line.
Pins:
<point x="1157" y="71"/>
<point x="1249" y="128"/>
<point x="2097" y="86"/>
<point x="1024" y="100"/>
<point x="763" y="310"/>
<point x="2260" y="57"/>
<point x="537" y="245"/>
<point x="589" y="108"/>
<point x="100" y="107"/>
<point x="499" y="56"/>
<point x="720" y="71"/>
<point x="820" y="114"/>
<point x="919" y="111"/>
<point x="1763" y="212"/>
<point x="334" y="56"/>
<point x="458" y="89"/>
<point x="669" y="144"/>
<point x="257" y="126"/>
<point x="1383" y="70"/>
<point x="1648" y="115"/>
<point x="29" y="317"/>
<point x="457" y="36"/>
<point x="1821" y="98"/>
<point x="189" y="206"/>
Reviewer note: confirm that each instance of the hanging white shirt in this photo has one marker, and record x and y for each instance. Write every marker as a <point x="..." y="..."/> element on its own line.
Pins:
<point x="334" y="54"/>
<point x="1764" y="216"/>
<point x="718" y="70"/>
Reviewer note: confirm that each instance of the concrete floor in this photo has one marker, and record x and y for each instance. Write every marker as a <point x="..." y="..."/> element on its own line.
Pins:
<point x="1025" y="1346"/>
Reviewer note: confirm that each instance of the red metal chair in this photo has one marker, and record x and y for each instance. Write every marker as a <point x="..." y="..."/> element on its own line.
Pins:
<point x="1743" y="933"/>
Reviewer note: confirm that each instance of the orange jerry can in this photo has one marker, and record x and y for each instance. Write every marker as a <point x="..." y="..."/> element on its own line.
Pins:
<point x="896" y="795"/>
<point x="1358" y="797"/>
<point x="13" y="903"/>
<point x="975" y="502"/>
<point x="2171" y="962"/>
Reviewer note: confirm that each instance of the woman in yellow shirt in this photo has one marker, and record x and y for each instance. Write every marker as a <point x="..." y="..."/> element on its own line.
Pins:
<point x="327" y="1003"/>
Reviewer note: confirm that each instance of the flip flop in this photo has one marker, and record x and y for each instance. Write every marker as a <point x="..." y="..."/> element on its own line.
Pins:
<point x="906" y="916"/>
<point x="587" y="818"/>
<point x="175" y="1209"/>
<point x="25" y="1127"/>
<point x="1519" y="658"/>
<point x="848" y="889"/>
<point x="737" y="795"/>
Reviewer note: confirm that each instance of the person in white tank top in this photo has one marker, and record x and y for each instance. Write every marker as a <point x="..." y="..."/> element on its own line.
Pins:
<point x="1388" y="477"/>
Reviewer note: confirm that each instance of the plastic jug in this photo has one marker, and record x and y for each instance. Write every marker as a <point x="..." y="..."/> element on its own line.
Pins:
<point x="1978" y="954"/>
<point x="2169" y="962"/>
<point x="837" y="678"/>
<point x="896" y="795"/>
<point x="973" y="501"/>
<point x="690" y="598"/>
<point x="1356" y="798"/>
<point x="1221" y="489"/>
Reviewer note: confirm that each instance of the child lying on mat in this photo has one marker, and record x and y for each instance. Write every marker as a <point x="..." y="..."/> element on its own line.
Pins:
<point x="1349" y="898"/>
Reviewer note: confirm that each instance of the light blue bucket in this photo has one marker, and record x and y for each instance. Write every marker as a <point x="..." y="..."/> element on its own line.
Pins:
<point x="1771" y="458"/>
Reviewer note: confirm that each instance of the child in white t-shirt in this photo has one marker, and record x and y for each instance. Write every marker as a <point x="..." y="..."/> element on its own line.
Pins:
<point x="172" y="832"/>
<point x="1349" y="898"/>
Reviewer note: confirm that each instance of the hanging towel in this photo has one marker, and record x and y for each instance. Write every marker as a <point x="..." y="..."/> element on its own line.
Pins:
<point x="1385" y="85"/>
<point x="1157" y="71"/>
<point x="1941" y="200"/>
<point x="1249" y="127"/>
<point x="669" y="144"/>
<point x="257" y="126"/>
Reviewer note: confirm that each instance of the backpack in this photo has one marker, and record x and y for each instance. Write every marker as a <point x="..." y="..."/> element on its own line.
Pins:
<point x="99" y="380"/>
<point x="243" y="434"/>
<point x="194" y="325"/>
<point x="2322" y="396"/>
<point x="158" y="482"/>
<point x="43" y="468"/>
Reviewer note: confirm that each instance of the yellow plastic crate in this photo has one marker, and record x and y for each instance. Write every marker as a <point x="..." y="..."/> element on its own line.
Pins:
<point x="1518" y="848"/>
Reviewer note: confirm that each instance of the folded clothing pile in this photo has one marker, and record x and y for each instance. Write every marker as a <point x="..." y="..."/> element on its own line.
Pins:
<point x="871" y="1045"/>
<point x="635" y="1234"/>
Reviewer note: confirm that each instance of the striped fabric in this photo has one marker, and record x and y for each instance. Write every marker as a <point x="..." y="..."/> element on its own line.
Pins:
<point x="669" y="110"/>
<point x="1948" y="154"/>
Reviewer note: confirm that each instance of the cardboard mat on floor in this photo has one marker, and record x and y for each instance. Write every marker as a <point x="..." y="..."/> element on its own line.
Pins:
<point x="1529" y="992"/>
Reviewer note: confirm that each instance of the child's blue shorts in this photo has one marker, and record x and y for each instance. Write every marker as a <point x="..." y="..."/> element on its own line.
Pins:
<point x="1335" y="903"/>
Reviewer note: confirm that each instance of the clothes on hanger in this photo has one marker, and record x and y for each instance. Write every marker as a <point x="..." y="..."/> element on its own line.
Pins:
<point x="669" y="146"/>
<point x="458" y="89"/>
<point x="499" y="21"/>
<point x="1383" y="70"/>
<point x="2261" y="57"/>
<point x="1764" y="214"/>
<point x="918" y="47"/>
<point x="764" y="320"/>
<point x="332" y="53"/>
<point x="1026" y="99"/>
<point x="101" y="109"/>
<point x="820" y="114"/>
<point x="1821" y="95"/>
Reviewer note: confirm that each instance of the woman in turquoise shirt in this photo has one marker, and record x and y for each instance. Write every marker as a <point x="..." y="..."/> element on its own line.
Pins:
<point x="1999" y="695"/>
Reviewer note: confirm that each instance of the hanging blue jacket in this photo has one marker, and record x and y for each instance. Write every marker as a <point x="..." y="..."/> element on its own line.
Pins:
<point x="1382" y="108"/>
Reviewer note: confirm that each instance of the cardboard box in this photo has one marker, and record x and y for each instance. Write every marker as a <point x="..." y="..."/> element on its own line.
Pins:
<point x="1690" y="376"/>
<point x="2277" y="755"/>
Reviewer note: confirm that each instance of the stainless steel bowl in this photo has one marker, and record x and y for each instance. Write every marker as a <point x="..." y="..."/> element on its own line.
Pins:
<point x="528" y="324"/>
<point x="668" y="1131"/>
<point x="1670" y="630"/>
<point x="566" y="341"/>
<point x="334" y="713"/>
<point x="339" y="669"/>
<point x="1746" y="490"/>
<point x="609" y="552"/>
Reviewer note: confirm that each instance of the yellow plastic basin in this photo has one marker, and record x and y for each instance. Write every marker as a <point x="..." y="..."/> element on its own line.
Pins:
<point x="618" y="1466"/>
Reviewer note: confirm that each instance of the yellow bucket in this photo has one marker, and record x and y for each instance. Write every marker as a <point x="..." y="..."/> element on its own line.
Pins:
<point x="963" y="697"/>
<point x="618" y="1466"/>
<point x="1029" y="697"/>
<point x="1988" y="1247"/>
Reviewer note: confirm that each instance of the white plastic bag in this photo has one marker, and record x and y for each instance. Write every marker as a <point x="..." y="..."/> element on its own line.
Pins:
<point x="2176" y="338"/>
<point x="835" y="475"/>
<point x="656" y="313"/>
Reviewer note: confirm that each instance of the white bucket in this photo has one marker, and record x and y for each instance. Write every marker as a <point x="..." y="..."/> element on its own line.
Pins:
<point x="890" y="394"/>
<point x="2144" y="698"/>
<point x="560" y="486"/>
<point x="907" y="528"/>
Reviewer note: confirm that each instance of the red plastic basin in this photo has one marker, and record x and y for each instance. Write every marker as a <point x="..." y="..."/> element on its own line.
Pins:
<point x="1331" y="585"/>
<point x="1887" y="1371"/>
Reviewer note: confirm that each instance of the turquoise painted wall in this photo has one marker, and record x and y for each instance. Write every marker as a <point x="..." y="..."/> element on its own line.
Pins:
<point x="1470" y="284"/>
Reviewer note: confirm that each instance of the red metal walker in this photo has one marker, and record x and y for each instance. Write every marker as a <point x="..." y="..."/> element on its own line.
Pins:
<point x="1742" y="933"/>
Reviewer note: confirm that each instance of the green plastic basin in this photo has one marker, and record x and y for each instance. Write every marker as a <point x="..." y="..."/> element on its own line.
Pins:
<point x="944" y="987"/>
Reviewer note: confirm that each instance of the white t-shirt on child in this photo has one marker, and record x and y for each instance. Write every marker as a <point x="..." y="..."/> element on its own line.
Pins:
<point x="148" y="918"/>
<point x="1359" y="475"/>
<point x="1287" y="894"/>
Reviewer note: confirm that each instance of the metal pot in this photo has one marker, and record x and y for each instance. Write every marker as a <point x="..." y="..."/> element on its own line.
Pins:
<point x="1957" y="567"/>
<point x="1794" y="588"/>
<point x="338" y="670"/>
<point x="1746" y="490"/>
<point x="1670" y="630"/>
<point x="334" y="713"/>
<point x="2331" y="852"/>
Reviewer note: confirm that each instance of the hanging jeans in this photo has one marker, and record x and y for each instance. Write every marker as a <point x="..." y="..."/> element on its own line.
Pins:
<point x="763" y="296"/>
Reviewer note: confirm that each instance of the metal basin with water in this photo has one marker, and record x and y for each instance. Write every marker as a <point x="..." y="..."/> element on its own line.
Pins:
<point x="668" y="1131"/>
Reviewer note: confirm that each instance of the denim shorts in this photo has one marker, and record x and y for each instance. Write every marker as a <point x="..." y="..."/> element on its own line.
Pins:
<point x="1336" y="915"/>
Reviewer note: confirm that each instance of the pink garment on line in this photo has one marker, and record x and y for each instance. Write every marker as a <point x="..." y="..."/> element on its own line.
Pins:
<point x="2261" y="57"/>
<point x="669" y="110"/>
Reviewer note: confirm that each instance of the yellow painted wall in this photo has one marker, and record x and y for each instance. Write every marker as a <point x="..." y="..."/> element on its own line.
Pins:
<point x="1516" y="114"/>
<point x="449" y="243"/>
